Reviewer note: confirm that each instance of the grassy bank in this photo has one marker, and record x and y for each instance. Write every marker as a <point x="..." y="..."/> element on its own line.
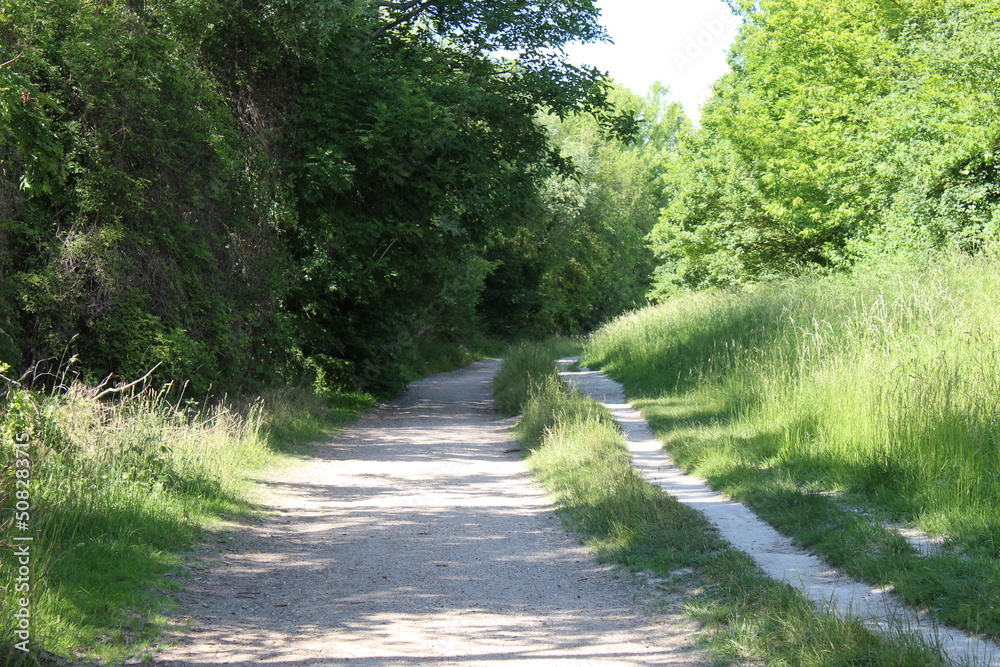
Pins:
<point x="118" y="492"/>
<point x="838" y="406"/>
<point x="578" y="453"/>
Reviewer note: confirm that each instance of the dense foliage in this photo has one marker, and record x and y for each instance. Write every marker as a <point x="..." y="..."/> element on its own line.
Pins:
<point x="845" y="129"/>
<point x="584" y="259"/>
<point x="235" y="188"/>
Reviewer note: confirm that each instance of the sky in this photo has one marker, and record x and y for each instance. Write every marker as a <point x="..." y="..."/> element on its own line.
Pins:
<point x="681" y="43"/>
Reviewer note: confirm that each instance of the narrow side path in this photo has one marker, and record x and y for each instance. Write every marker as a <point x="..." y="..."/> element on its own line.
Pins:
<point x="418" y="537"/>
<point x="773" y="552"/>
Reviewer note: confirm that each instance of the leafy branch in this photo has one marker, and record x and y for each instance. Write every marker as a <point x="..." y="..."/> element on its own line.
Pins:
<point x="410" y="11"/>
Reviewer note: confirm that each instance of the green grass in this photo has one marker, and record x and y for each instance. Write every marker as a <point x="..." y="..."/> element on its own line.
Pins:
<point x="525" y="366"/>
<point x="121" y="491"/>
<point x="577" y="452"/>
<point x="836" y="405"/>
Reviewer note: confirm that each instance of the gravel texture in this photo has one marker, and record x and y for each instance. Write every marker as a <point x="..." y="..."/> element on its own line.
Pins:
<point x="418" y="537"/>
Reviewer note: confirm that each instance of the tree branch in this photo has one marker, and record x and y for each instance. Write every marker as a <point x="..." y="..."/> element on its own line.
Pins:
<point x="11" y="60"/>
<point x="411" y="11"/>
<point x="398" y="6"/>
<point x="131" y="384"/>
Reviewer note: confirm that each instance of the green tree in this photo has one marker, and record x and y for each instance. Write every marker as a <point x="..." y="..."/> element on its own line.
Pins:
<point x="152" y="248"/>
<point x="932" y="144"/>
<point x="714" y="228"/>
<point x="584" y="257"/>
<point x="305" y="185"/>
<point x="844" y="128"/>
<point x="419" y="152"/>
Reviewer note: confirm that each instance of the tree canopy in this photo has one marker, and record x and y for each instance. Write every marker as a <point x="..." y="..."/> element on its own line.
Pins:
<point x="845" y="128"/>
<point x="302" y="187"/>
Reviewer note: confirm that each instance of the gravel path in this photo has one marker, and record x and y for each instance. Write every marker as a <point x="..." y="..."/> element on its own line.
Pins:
<point x="418" y="537"/>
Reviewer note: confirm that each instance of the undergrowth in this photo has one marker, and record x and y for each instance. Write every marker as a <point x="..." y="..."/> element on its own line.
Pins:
<point x="119" y="491"/>
<point x="576" y="450"/>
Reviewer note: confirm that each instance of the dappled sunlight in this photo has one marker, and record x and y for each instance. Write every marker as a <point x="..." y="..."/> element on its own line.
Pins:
<point x="416" y="536"/>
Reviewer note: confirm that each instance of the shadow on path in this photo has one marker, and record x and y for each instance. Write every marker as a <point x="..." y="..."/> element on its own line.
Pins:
<point x="417" y="537"/>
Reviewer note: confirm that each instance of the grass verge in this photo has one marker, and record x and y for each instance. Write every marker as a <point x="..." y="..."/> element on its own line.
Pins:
<point x="114" y="494"/>
<point x="526" y="365"/>
<point x="837" y="406"/>
<point x="577" y="452"/>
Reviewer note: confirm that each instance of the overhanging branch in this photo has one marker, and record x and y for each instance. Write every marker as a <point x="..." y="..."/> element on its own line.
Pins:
<point x="411" y="10"/>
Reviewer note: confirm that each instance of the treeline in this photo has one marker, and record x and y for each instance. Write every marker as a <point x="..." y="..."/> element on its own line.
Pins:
<point x="309" y="190"/>
<point x="316" y="190"/>
<point x="846" y="129"/>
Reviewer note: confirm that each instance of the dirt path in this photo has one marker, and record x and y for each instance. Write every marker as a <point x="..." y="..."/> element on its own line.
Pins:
<point x="418" y="537"/>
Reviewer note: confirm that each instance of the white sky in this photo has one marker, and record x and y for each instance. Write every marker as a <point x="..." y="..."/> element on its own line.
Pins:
<point x="681" y="43"/>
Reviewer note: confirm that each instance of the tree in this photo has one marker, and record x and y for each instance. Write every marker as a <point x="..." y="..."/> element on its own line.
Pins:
<point x="714" y="229"/>
<point x="420" y="152"/>
<point x="844" y="128"/>
<point x="934" y="137"/>
<point x="306" y="186"/>
<point x="584" y="258"/>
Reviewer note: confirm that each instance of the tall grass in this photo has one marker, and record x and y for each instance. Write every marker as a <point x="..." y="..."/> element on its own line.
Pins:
<point x="881" y="388"/>
<point x="577" y="451"/>
<point x="525" y="366"/>
<point x="119" y="490"/>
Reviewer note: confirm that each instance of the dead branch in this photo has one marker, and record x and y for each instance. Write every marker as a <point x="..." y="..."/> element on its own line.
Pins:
<point x="11" y="60"/>
<point x="116" y="390"/>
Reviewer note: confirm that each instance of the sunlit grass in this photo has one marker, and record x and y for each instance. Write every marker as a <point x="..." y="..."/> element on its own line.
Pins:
<point x="525" y="366"/>
<point x="878" y="391"/>
<point x="575" y="449"/>
<point x="120" y="490"/>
